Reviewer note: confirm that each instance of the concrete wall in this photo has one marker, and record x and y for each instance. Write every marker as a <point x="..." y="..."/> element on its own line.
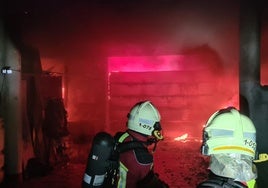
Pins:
<point x="10" y="106"/>
<point x="254" y="96"/>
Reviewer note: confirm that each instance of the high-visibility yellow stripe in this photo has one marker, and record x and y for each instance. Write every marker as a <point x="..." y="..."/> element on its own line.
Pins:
<point x="251" y="183"/>
<point x="233" y="148"/>
<point x="123" y="176"/>
<point x="122" y="168"/>
<point x="123" y="137"/>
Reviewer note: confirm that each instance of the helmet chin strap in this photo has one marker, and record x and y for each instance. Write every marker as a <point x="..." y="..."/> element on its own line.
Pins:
<point x="150" y="141"/>
<point x="157" y="136"/>
<point x="154" y="139"/>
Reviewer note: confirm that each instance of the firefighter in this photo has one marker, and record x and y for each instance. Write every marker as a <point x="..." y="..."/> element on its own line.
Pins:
<point x="136" y="165"/>
<point x="229" y="138"/>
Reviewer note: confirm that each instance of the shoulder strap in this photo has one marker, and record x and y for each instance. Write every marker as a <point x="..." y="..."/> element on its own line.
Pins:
<point x="126" y="146"/>
<point x="142" y="154"/>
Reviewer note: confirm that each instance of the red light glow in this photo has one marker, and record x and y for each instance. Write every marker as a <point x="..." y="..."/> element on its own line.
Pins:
<point x="146" y="63"/>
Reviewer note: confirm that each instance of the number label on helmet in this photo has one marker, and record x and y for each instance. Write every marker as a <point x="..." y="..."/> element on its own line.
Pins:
<point x="145" y="126"/>
<point x="250" y="143"/>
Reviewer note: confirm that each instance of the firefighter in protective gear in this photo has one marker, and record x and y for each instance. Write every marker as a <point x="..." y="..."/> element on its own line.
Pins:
<point x="136" y="165"/>
<point x="229" y="138"/>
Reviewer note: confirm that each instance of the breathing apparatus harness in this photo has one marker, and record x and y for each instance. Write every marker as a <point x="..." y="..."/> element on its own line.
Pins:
<point x="103" y="161"/>
<point x="142" y="155"/>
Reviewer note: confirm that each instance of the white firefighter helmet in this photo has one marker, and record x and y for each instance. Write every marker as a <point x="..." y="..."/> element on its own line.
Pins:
<point x="144" y="118"/>
<point x="229" y="131"/>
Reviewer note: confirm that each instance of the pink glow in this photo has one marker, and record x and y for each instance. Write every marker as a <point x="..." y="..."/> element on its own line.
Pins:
<point x="146" y="63"/>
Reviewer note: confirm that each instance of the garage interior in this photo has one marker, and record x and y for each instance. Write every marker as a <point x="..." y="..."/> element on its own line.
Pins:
<point x="94" y="60"/>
